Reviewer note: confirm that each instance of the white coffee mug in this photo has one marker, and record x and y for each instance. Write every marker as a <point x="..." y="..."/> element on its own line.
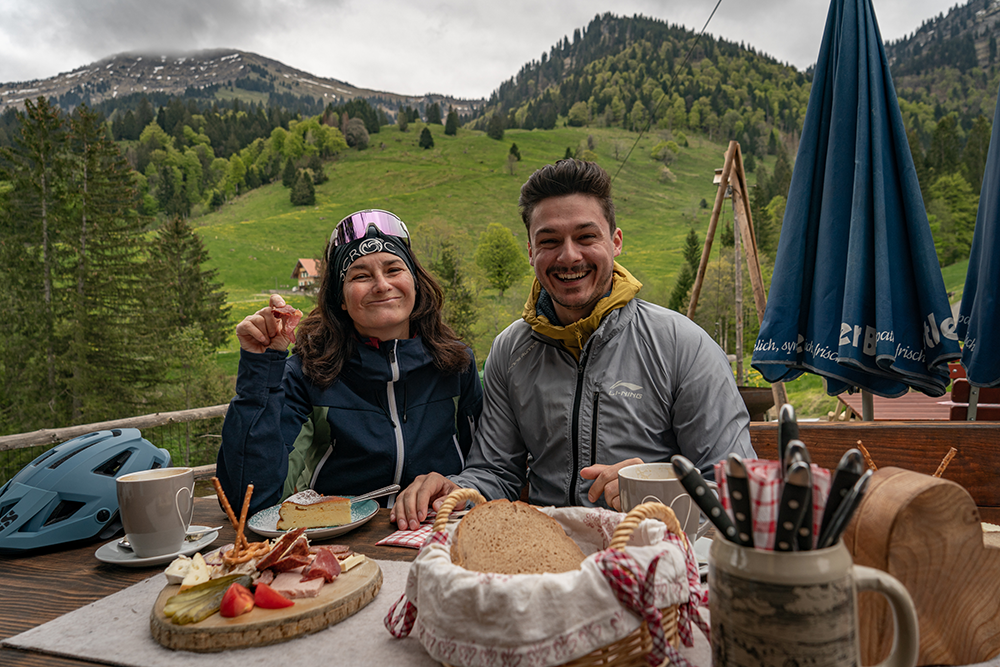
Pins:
<point x="156" y="508"/>
<point x="657" y="482"/>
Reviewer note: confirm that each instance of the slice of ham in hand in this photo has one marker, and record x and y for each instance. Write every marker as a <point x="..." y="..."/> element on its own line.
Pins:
<point x="289" y="318"/>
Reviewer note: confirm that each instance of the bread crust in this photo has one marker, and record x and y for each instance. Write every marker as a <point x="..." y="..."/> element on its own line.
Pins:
<point x="513" y="538"/>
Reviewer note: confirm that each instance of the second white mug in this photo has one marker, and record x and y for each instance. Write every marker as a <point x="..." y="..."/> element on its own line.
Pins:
<point x="657" y="482"/>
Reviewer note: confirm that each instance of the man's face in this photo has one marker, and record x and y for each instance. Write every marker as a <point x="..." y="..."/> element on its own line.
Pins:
<point x="573" y="251"/>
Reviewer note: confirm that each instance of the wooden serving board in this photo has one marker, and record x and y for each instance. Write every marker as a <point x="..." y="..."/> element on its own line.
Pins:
<point x="345" y="596"/>
<point x="926" y="532"/>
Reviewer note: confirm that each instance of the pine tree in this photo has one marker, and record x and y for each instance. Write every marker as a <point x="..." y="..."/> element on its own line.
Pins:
<point x="496" y="126"/>
<point x="426" y="139"/>
<point x="685" y="279"/>
<point x="112" y="350"/>
<point x="289" y="174"/>
<point x="434" y="114"/>
<point x="303" y="192"/>
<point x="191" y="295"/>
<point x="515" y="152"/>
<point x="451" y="124"/>
<point x="34" y="220"/>
<point x="459" y="302"/>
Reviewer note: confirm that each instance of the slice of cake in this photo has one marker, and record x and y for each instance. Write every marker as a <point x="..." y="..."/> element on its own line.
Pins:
<point x="308" y="509"/>
<point x="513" y="538"/>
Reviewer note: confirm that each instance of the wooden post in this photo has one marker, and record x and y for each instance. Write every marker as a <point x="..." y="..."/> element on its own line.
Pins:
<point x="734" y="177"/>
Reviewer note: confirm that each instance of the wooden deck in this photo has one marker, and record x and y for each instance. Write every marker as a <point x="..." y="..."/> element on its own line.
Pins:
<point x="913" y="406"/>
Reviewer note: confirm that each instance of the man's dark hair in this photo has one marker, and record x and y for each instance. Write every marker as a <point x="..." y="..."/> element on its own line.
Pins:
<point x="567" y="177"/>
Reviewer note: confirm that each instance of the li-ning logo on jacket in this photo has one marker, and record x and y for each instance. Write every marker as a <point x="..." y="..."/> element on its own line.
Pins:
<point x="625" y="389"/>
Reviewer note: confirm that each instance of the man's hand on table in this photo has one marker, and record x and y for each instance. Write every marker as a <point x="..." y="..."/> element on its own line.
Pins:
<point x="410" y="508"/>
<point x="606" y="481"/>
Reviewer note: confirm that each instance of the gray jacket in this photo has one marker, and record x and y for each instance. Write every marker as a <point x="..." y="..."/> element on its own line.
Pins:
<point x="650" y="384"/>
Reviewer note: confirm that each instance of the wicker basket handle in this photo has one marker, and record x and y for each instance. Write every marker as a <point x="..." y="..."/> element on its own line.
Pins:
<point x="451" y="501"/>
<point x="645" y="511"/>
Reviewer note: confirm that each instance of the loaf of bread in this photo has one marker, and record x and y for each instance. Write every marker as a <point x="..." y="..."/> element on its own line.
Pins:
<point x="513" y="538"/>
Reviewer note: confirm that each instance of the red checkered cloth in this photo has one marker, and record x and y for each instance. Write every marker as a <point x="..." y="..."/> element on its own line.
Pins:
<point x="765" y="492"/>
<point x="414" y="539"/>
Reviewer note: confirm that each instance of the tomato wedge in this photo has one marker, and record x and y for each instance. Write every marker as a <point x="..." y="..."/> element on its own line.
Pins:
<point x="237" y="600"/>
<point x="266" y="597"/>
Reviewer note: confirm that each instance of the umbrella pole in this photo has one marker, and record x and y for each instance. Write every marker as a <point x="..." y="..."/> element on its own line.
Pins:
<point x="867" y="406"/>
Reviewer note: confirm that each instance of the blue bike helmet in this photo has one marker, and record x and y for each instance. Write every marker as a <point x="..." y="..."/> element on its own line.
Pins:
<point x="69" y="493"/>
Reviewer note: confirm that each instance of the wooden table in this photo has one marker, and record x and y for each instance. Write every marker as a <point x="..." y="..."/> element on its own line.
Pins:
<point x="46" y="584"/>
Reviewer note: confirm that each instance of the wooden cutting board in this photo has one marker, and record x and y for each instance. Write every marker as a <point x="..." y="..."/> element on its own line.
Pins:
<point x="926" y="532"/>
<point x="345" y="596"/>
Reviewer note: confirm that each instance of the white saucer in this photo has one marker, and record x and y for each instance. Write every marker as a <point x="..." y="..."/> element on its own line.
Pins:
<point x="113" y="554"/>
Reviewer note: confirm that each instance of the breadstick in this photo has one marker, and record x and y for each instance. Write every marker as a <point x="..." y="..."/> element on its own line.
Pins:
<point x="868" y="457"/>
<point x="241" y="539"/>
<point x="225" y="502"/>
<point x="945" y="461"/>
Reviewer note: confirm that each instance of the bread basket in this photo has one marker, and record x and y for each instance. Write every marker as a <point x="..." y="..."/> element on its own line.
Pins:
<point x="635" y="648"/>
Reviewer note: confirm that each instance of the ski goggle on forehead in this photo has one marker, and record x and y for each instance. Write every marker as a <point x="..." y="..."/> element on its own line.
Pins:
<point x="356" y="225"/>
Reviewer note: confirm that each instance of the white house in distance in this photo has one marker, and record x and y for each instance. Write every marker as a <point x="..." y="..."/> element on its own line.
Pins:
<point x="306" y="272"/>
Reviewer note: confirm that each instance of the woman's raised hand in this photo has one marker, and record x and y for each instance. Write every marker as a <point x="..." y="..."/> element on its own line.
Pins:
<point x="265" y="330"/>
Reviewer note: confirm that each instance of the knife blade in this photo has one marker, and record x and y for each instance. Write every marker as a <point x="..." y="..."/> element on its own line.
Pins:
<point x="788" y="430"/>
<point x="796" y="451"/>
<point x="695" y="485"/>
<point x="848" y="471"/>
<point x="838" y="523"/>
<point x="792" y="506"/>
<point x="739" y="497"/>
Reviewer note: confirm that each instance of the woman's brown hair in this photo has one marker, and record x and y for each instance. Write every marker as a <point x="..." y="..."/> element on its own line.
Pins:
<point x="326" y="340"/>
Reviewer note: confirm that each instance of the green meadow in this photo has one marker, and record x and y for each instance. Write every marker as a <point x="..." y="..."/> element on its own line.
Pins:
<point x="451" y="192"/>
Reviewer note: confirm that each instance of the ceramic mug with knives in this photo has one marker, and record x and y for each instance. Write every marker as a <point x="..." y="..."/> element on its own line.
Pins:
<point x="644" y="482"/>
<point x="811" y="603"/>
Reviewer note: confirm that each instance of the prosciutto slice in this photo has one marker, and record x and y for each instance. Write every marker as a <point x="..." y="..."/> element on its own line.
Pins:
<point x="325" y="565"/>
<point x="289" y="318"/>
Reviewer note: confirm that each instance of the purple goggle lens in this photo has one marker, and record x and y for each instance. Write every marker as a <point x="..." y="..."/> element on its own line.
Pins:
<point x="355" y="226"/>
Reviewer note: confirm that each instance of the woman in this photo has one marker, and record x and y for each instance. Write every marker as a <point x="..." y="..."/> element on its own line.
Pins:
<point x="378" y="389"/>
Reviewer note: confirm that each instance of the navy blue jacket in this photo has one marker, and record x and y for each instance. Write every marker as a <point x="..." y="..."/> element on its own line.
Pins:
<point x="391" y="415"/>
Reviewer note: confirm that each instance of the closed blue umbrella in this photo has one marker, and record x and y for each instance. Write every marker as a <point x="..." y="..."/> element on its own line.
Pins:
<point x="979" y="321"/>
<point x="857" y="294"/>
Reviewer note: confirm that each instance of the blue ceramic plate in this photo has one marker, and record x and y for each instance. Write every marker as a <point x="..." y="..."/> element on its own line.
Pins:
<point x="265" y="522"/>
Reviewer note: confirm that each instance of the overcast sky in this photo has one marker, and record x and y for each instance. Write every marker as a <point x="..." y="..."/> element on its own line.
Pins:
<point x="464" y="48"/>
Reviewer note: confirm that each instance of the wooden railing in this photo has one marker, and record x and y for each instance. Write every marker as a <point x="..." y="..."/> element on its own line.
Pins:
<point x="52" y="436"/>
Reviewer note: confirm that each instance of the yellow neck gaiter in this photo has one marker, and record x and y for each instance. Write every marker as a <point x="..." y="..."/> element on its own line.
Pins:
<point x="574" y="336"/>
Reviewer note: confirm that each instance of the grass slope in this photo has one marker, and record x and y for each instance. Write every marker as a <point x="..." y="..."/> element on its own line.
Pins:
<point x="452" y="192"/>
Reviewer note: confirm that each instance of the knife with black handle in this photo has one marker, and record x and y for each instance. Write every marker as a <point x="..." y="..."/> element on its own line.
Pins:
<point x="848" y="471"/>
<point x="695" y="485"/>
<point x="838" y="523"/>
<point x="792" y="506"/>
<point x="739" y="498"/>
<point x="796" y="451"/>
<point x="788" y="430"/>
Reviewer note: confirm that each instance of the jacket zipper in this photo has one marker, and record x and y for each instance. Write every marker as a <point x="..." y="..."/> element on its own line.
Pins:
<point x="593" y="429"/>
<point x="575" y="440"/>
<point x="394" y="416"/>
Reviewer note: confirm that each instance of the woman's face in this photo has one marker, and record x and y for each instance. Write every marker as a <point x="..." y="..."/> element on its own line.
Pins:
<point x="379" y="294"/>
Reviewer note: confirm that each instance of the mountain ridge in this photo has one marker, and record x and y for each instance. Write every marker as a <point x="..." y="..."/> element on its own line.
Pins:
<point x="185" y="73"/>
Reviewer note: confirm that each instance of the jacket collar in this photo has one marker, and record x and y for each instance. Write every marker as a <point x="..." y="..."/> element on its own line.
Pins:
<point x="574" y="336"/>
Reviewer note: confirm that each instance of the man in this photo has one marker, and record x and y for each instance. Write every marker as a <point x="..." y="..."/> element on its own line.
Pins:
<point x="591" y="379"/>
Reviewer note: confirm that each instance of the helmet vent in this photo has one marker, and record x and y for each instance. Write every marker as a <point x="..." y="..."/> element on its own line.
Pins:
<point x="43" y="457"/>
<point x="64" y="510"/>
<point x="6" y="508"/>
<point x="114" y="464"/>
<point x="70" y="455"/>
